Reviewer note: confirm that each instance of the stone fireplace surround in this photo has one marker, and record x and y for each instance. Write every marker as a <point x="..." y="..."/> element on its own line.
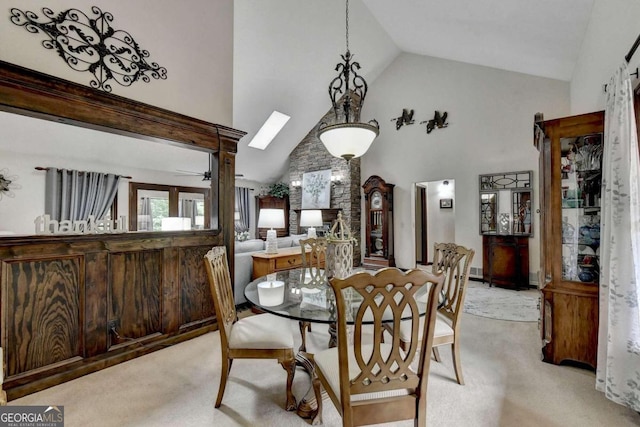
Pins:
<point x="309" y="156"/>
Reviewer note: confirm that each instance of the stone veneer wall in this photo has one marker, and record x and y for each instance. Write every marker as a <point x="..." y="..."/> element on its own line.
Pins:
<point x="310" y="156"/>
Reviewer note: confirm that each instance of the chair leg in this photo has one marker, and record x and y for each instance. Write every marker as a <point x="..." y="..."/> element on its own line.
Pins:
<point x="316" y="419"/>
<point x="436" y="354"/>
<point x="421" y="412"/>
<point x="224" y="374"/>
<point x="290" y="367"/>
<point x="303" y="333"/>
<point x="455" y="355"/>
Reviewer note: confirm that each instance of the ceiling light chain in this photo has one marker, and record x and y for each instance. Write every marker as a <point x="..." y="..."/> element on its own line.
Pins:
<point x="347" y="25"/>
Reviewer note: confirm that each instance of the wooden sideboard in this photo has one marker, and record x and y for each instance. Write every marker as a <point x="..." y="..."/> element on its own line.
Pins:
<point x="505" y="260"/>
<point x="285" y="259"/>
<point x="64" y="299"/>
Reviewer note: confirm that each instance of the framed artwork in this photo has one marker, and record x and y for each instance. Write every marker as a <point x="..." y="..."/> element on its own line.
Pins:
<point x="316" y="189"/>
<point x="446" y="203"/>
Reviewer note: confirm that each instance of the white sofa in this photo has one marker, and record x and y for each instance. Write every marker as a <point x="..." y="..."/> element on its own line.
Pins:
<point x="243" y="261"/>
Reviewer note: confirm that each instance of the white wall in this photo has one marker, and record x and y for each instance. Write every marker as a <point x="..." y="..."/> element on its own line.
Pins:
<point x="491" y="116"/>
<point x="441" y="223"/>
<point x="611" y="32"/>
<point x="192" y="39"/>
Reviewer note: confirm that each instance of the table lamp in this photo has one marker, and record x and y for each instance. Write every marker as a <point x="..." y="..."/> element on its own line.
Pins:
<point x="311" y="219"/>
<point x="271" y="218"/>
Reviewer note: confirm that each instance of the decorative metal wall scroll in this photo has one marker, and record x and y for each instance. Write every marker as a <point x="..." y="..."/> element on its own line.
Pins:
<point x="91" y="44"/>
<point x="438" y="121"/>
<point x="405" y="119"/>
<point x="7" y="184"/>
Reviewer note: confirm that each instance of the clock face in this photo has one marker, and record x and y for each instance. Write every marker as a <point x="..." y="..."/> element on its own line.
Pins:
<point x="376" y="200"/>
<point x="378" y="244"/>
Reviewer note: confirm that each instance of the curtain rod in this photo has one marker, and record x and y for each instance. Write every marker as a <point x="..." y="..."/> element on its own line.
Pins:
<point x="40" y="168"/>
<point x="628" y="57"/>
<point x="636" y="73"/>
<point x="633" y="50"/>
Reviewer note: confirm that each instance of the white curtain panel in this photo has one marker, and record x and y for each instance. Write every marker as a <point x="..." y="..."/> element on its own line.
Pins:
<point x="618" y="373"/>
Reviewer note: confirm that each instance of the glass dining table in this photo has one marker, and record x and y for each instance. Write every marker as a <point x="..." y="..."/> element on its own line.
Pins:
<point x="296" y="294"/>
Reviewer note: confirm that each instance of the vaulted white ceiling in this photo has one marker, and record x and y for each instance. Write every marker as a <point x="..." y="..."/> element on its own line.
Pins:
<point x="285" y="52"/>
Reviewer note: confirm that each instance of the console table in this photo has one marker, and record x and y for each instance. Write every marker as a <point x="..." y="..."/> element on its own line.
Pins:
<point x="285" y="259"/>
<point x="505" y="260"/>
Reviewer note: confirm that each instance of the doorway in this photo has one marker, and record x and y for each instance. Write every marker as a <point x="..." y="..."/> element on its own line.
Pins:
<point x="433" y="217"/>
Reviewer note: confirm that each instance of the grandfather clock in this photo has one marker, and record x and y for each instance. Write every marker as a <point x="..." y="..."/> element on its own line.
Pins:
<point x="378" y="196"/>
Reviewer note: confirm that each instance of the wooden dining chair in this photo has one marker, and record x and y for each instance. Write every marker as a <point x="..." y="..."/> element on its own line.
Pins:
<point x="455" y="262"/>
<point x="314" y="273"/>
<point x="261" y="336"/>
<point x="369" y="381"/>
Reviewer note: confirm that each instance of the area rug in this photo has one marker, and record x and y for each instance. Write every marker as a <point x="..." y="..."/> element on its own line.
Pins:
<point x="501" y="304"/>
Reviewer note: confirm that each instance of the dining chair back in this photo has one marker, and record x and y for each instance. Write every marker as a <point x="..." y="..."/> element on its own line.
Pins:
<point x="454" y="261"/>
<point x="313" y="262"/>
<point x="262" y="336"/>
<point x="313" y="273"/>
<point x="370" y="381"/>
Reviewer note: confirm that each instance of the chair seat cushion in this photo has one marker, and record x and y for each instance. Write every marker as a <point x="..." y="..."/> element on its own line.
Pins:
<point x="443" y="328"/>
<point x="261" y="331"/>
<point x="327" y="362"/>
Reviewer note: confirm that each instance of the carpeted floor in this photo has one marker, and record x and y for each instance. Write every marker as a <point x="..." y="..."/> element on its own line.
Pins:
<point x="506" y="385"/>
<point x="502" y="304"/>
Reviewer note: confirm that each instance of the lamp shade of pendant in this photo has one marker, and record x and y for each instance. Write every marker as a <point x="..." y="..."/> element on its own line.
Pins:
<point x="348" y="140"/>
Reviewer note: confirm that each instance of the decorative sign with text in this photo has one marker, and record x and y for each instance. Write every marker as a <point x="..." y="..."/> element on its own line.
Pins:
<point x="46" y="225"/>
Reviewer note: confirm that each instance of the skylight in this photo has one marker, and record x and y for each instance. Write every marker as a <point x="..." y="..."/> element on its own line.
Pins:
<point x="269" y="130"/>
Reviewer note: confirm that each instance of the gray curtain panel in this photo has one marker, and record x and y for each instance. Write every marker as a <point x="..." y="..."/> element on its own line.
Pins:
<point x="242" y="206"/>
<point x="188" y="209"/>
<point x="144" y="214"/>
<point x="74" y="195"/>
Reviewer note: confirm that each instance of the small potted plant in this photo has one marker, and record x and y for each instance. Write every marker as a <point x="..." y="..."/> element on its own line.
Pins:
<point x="279" y="190"/>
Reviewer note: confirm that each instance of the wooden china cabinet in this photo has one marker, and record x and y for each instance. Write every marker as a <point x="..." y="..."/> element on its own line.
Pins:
<point x="570" y="189"/>
<point x="378" y="196"/>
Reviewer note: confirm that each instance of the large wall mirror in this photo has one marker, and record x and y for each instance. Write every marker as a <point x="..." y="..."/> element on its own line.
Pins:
<point x="505" y="203"/>
<point x="91" y="131"/>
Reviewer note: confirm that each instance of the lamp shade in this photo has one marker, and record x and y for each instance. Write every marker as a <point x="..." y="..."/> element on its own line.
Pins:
<point x="271" y="218"/>
<point x="348" y="140"/>
<point x="311" y="218"/>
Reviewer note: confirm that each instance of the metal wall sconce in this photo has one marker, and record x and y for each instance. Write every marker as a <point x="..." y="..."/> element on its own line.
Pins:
<point x="296" y="183"/>
<point x="336" y="179"/>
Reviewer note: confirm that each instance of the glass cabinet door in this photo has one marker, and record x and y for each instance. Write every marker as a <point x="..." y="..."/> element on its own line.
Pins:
<point x="376" y="243"/>
<point x="581" y="178"/>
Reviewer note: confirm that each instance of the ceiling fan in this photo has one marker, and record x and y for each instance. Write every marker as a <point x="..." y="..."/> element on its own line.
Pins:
<point x="206" y="175"/>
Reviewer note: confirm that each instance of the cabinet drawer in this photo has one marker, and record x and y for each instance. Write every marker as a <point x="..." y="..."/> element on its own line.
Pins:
<point x="285" y="263"/>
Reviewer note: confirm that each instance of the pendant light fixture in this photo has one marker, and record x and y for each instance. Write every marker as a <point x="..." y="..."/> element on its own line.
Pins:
<point x="348" y="137"/>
